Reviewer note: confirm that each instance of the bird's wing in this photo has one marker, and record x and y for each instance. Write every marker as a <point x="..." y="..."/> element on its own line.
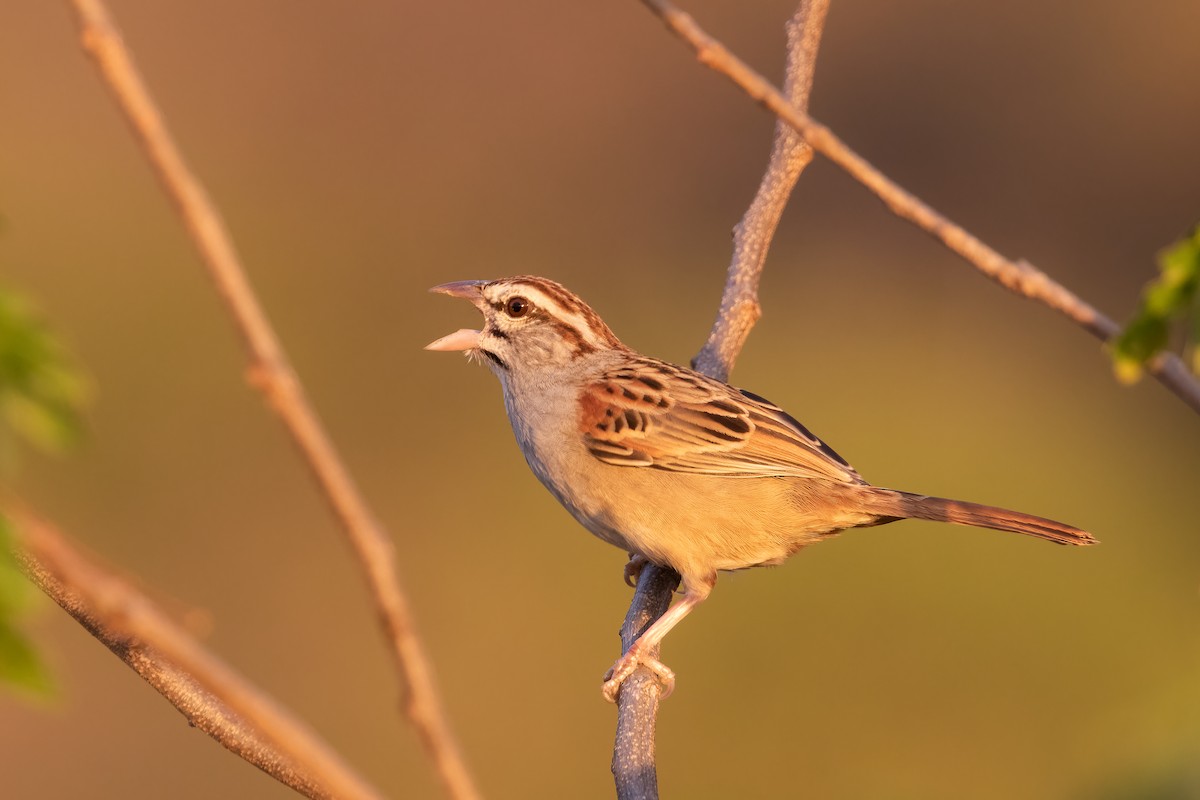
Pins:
<point x="655" y="414"/>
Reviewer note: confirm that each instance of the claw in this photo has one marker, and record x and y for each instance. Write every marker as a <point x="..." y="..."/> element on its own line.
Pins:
<point x="627" y="664"/>
<point x="694" y="592"/>
<point x="633" y="568"/>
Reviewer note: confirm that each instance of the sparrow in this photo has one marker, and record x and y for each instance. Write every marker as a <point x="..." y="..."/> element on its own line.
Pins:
<point x="674" y="467"/>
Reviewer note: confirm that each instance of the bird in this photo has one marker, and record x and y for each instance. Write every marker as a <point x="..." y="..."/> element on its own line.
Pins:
<point x="676" y="468"/>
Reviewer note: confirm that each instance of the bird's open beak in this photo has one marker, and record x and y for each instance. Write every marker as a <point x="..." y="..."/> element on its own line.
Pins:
<point x="465" y="339"/>
<point x="468" y="290"/>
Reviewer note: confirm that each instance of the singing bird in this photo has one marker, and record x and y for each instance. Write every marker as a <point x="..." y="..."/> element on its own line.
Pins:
<point x="670" y="465"/>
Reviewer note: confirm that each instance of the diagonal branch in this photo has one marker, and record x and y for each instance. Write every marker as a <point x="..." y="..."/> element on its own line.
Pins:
<point x="637" y="703"/>
<point x="209" y="693"/>
<point x="273" y="375"/>
<point x="1019" y="276"/>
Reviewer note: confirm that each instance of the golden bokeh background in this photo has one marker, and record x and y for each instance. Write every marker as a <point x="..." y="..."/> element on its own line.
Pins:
<point x="363" y="152"/>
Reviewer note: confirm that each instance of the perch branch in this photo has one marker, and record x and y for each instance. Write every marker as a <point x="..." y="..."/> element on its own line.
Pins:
<point x="1019" y="276"/>
<point x="633" y="754"/>
<point x="637" y="704"/>
<point x="273" y="375"/>
<point x="210" y="694"/>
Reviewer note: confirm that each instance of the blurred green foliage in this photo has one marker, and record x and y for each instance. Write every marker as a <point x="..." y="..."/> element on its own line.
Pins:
<point x="41" y="392"/>
<point x="20" y="665"/>
<point x="41" y="396"/>
<point x="1170" y="298"/>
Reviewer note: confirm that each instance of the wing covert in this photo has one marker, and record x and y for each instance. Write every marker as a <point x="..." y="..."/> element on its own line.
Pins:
<point x="654" y="414"/>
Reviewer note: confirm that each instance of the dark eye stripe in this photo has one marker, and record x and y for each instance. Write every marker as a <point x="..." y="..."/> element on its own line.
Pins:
<point x="576" y="338"/>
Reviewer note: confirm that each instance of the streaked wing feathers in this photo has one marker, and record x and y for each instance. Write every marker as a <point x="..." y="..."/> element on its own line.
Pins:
<point x="658" y="415"/>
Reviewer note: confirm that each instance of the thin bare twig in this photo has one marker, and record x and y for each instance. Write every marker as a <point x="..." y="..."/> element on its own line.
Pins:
<point x="209" y="693"/>
<point x="790" y="154"/>
<point x="633" y="755"/>
<point x="273" y="375"/>
<point x="1019" y="276"/>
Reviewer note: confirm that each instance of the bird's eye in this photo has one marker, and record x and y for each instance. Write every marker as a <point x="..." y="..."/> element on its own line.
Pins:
<point x="517" y="307"/>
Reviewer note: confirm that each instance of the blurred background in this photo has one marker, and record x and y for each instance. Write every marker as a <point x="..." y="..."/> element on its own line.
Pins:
<point x="363" y="153"/>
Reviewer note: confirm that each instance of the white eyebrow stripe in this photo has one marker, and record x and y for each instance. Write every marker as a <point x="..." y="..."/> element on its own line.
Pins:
<point x="559" y="304"/>
<point x="567" y="316"/>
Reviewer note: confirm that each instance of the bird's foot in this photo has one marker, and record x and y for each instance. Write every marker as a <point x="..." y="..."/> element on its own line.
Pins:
<point x="633" y="568"/>
<point x="625" y="667"/>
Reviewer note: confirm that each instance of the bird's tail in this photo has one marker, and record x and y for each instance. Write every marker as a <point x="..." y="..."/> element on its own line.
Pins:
<point x="892" y="505"/>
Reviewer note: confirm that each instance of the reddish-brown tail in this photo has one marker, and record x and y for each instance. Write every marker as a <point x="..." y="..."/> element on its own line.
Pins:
<point x="903" y="505"/>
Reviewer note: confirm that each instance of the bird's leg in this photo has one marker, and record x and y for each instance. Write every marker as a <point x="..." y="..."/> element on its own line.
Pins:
<point x="638" y="653"/>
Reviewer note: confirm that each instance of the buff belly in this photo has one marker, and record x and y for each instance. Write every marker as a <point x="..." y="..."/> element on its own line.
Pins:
<point x="721" y="524"/>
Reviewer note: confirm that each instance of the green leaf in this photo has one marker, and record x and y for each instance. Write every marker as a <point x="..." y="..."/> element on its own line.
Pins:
<point x="16" y="593"/>
<point x="20" y="665"/>
<point x="41" y="392"/>
<point x="41" y="399"/>
<point x="1193" y="339"/>
<point x="1171" y="297"/>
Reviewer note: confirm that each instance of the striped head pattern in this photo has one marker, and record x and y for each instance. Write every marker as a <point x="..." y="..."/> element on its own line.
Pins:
<point x="528" y="320"/>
